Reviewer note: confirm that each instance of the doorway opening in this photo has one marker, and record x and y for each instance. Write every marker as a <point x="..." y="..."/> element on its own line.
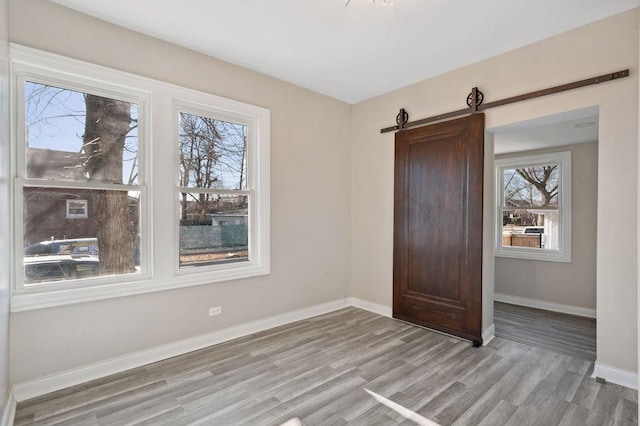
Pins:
<point x="546" y="183"/>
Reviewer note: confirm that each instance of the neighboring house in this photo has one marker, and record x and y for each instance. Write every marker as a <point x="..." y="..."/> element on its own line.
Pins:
<point x="223" y="219"/>
<point x="52" y="164"/>
<point x="229" y="211"/>
<point x="56" y="214"/>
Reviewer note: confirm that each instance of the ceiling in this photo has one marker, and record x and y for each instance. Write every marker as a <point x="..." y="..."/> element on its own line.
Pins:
<point x="355" y="52"/>
<point x="567" y="128"/>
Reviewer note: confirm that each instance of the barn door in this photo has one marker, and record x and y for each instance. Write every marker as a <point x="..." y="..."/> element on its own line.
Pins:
<point x="437" y="259"/>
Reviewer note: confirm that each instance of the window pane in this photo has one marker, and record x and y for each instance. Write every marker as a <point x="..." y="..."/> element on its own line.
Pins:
<point x="74" y="136"/>
<point x="531" y="186"/>
<point x="106" y="242"/>
<point x="530" y="228"/>
<point x="212" y="153"/>
<point x="213" y="229"/>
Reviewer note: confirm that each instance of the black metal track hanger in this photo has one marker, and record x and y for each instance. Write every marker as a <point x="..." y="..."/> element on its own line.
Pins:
<point x="476" y="97"/>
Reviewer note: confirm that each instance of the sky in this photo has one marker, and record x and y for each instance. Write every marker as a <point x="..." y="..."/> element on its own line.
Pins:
<point x="55" y="117"/>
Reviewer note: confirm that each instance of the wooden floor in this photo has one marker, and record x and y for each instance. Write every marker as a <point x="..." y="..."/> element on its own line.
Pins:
<point x="567" y="334"/>
<point x="317" y="370"/>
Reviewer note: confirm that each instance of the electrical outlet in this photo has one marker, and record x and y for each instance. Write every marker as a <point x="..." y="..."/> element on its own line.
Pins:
<point x="215" y="311"/>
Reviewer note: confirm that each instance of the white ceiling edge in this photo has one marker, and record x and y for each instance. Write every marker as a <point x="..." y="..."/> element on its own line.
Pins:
<point x="357" y="52"/>
<point x="547" y="132"/>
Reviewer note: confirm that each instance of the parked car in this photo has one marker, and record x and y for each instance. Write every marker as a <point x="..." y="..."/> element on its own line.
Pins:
<point x="76" y="246"/>
<point x="60" y="267"/>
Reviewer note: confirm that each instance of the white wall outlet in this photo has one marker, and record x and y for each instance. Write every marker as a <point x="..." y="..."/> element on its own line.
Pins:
<point x="215" y="311"/>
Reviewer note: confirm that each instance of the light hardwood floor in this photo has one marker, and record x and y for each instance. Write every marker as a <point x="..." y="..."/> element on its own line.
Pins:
<point x="317" y="370"/>
<point x="567" y="334"/>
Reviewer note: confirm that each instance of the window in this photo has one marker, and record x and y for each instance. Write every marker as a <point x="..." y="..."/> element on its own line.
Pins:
<point x="82" y="167"/>
<point x="79" y="145"/>
<point x="221" y="186"/>
<point x="77" y="209"/>
<point x="534" y="207"/>
<point x="213" y="184"/>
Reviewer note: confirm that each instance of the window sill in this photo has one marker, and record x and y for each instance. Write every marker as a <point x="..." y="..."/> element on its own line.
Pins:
<point x="529" y="254"/>
<point x="27" y="301"/>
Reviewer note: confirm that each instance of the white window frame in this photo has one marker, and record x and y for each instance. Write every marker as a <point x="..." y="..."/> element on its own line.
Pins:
<point x="563" y="159"/>
<point x="85" y="206"/>
<point x="257" y="185"/>
<point x="39" y="67"/>
<point x="157" y="246"/>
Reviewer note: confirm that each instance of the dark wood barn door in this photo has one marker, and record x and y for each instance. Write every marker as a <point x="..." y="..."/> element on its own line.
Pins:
<point x="437" y="265"/>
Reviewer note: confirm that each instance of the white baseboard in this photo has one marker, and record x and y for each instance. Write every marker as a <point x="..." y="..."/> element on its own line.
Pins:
<point x="376" y="308"/>
<point x="547" y="306"/>
<point x="488" y="334"/>
<point x="64" y="379"/>
<point x="9" y="412"/>
<point x="620" y="377"/>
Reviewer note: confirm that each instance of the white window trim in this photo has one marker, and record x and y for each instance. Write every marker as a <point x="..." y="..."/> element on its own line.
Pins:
<point x="41" y="67"/>
<point x="257" y="186"/>
<point x="150" y="95"/>
<point x="563" y="159"/>
<point x="84" y="215"/>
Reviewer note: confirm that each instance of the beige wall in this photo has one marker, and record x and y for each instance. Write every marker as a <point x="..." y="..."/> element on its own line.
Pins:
<point x="5" y="287"/>
<point x="638" y="228"/>
<point x="604" y="46"/>
<point x="565" y="283"/>
<point x="310" y="204"/>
